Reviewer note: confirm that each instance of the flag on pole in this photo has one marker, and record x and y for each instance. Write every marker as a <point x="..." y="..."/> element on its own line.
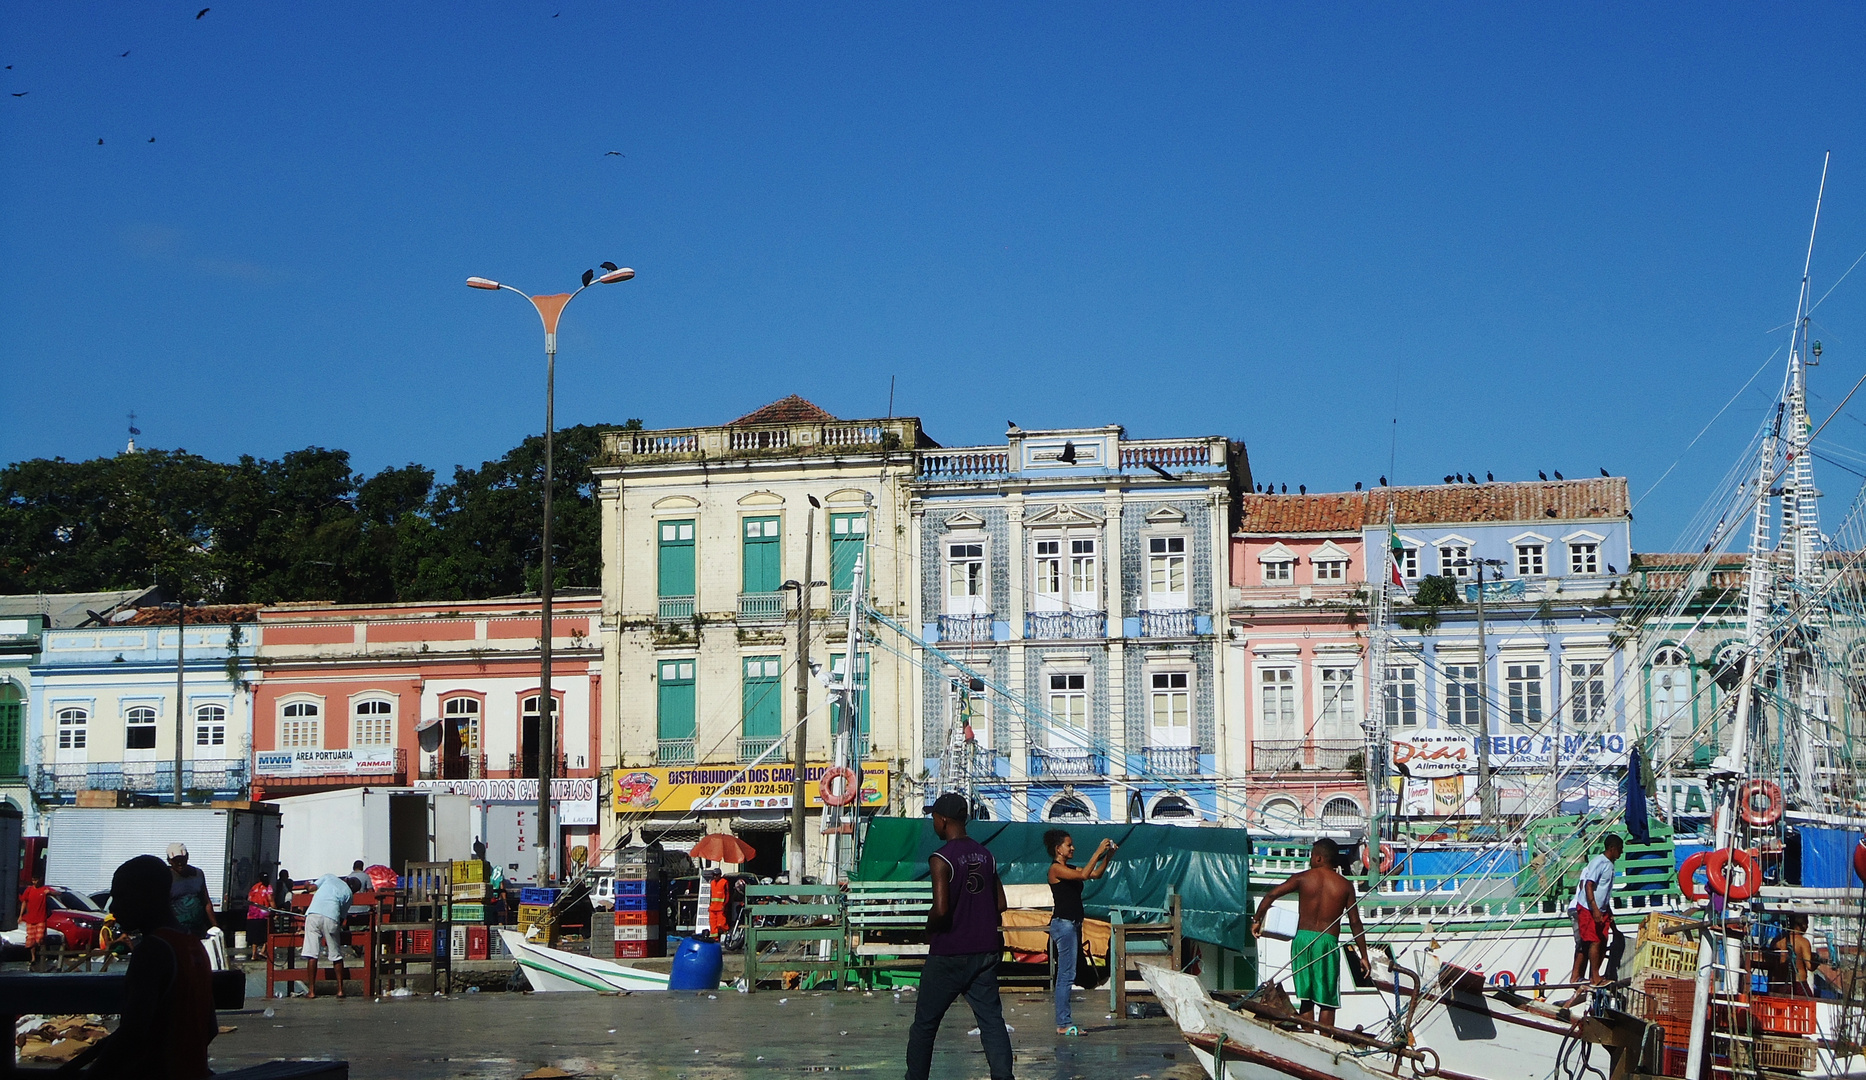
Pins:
<point x="1394" y="547"/>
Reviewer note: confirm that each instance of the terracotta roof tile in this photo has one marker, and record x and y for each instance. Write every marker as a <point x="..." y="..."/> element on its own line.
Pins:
<point x="790" y="410"/>
<point x="1339" y="512"/>
<point x="1348" y="511"/>
<point x="210" y="614"/>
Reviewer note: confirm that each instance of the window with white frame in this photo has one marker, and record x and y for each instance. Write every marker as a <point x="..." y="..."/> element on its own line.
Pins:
<point x="965" y="577"/>
<point x="1339" y="715"/>
<point x="1277" y="698"/>
<point x="1166" y="572"/>
<point x="1277" y="572"/>
<point x="1523" y="686"/>
<point x="1462" y="705"/>
<point x="1584" y="557"/>
<point x="1049" y="569"/>
<point x="1402" y="697"/>
<point x="1587" y="693"/>
<point x="1172" y="708"/>
<point x="1068" y="709"/>
<point x="1407" y="559"/>
<point x="1328" y="571"/>
<point x="1341" y="812"/>
<point x="139" y="728"/>
<point x="73" y="727"/>
<point x="1082" y="573"/>
<point x="374" y="724"/>
<point x="1671" y="686"/>
<point x="463" y="714"/>
<point x="1454" y="560"/>
<point x="210" y="725"/>
<point x="301" y="726"/>
<point x="1529" y="561"/>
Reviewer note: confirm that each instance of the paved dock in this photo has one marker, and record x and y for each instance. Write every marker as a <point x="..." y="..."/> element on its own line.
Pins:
<point x="683" y="1036"/>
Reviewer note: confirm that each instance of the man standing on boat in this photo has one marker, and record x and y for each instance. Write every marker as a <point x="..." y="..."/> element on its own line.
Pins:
<point x="1592" y="911"/>
<point x="1322" y="896"/>
<point x="966" y="938"/>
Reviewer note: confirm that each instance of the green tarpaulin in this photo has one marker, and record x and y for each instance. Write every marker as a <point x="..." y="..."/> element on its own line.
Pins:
<point x="1209" y="868"/>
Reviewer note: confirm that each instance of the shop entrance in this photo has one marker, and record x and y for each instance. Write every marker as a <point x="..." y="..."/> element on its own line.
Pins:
<point x="769" y="862"/>
<point x="408" y="830"/>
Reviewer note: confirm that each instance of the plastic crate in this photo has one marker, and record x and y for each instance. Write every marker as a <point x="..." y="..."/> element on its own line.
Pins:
<point x="468" y="913"/>
<point x="1675" y="1058"/>
<point x="1653" y="928"/>
<point x="650" y="932"/>
<point x="639" y="950"/>
<point x="417" y="942"/>
<point x="636" y="918"/>
<point x="478" y="943"/>
<point x="637" y="887"/>
<point x="457" y="943"/>
<point x="1782" y="1015"/>
<point x="537" y="895"/>
<point x="469" y="870"/>
<point x="534" y="913"/>
<point x="469" y="891"/>
<point x="1667" y="1002"/>
<point x="1657" y="956"/>
<point x="638" y="903"/>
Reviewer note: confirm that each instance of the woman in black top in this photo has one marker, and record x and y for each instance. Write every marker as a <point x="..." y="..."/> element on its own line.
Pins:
<point x="1066" y="913"/>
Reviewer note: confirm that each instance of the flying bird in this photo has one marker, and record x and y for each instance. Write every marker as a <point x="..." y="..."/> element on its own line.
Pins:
<point x="1542" y="474"/>
<point x="126" y="52"/>
<point x="100" y="142"/>
<point x="1558" y="474"/>
<point x="203" y="11"/>
<point x="152" y="138"/>
<point x="22" y="93"/>
<point x="1164" y="475"/>
<point x="615" y="153"/>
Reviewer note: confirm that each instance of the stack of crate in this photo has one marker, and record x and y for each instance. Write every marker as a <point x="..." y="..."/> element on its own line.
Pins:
<point x="637" y="889"/>
<point x="469" y="893"/>
<point x="534" y="910"/>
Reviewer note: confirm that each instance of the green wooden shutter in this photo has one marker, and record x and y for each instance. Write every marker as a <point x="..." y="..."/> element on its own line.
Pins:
<point x="762" y="551"/>
<point x="10" y="738"/>
<point x="762" y="699"/>
<point x="674" y="717"/>
<point x="847" y="534"/>
<point x="676" y="558"/>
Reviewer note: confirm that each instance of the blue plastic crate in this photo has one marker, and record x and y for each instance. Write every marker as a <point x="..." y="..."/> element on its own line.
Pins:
<point x="637" y="887"/>
<point x="538" y="896"/>
<point x="638" y="903"/>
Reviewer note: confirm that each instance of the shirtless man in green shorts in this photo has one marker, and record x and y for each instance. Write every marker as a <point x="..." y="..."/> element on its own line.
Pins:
<point x="1322" y="895"/>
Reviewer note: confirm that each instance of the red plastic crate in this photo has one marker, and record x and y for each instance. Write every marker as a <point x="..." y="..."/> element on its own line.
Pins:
<point x="418" y="942"/>
<point x="639" y="950"/>
<point x="1782" y="1015"/>
<point x="1675" y="1058"/>
<point x="478" y="943"/>
<point x="637" y="918"/>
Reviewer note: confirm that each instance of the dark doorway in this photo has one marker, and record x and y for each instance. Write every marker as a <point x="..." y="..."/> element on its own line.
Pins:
<point x="408" y="830"/>
<point x="528" y="739"/>
<point x="769" y="862"/>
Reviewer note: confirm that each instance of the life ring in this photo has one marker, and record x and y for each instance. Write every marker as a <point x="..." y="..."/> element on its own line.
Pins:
<point x="1859" y="860"/>
<point x="1717" y="869"/>
<point x="1766" y="815"/>
<point x="1687" y="878"/>
<point x="831" y="794"/>
<point x="1386" y="857"/>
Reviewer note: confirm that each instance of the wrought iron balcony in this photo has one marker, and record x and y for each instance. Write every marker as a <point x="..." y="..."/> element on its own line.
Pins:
<point x="965" y="627"/>
<point x="749" y="749"/>
<point x="1181" y="623"/>
<point x="839" y="603"/>
<point x="1066" y="761"/>
<point x="762" y="606"/>
<point x="1172" y="760"/>
<point x="231" y="778"/>
<point x="675" y="609"/>
<point x="525" y="766"/>
<point x="1288" y="755"/>
<point x="674" y="752"/>
<point x="1065" y="625"/>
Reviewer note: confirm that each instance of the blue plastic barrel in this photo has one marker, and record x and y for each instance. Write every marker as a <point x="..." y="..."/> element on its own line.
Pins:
<point x="696" y="966"/>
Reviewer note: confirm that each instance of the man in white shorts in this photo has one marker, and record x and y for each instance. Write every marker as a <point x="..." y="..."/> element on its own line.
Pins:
<point x="324" y="919"/>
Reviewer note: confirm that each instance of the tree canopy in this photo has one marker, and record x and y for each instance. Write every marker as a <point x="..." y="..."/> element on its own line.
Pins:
<point x="302" y="527"/>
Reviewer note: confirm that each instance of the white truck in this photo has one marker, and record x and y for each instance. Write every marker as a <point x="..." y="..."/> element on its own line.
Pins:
<point x="326" y="832"/>
<point x="233" y="847"/>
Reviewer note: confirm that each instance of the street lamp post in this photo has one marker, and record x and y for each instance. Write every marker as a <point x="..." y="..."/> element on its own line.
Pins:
<point x="550" y="308"/>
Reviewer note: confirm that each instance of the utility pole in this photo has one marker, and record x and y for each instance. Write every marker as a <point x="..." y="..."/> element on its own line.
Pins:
<point x="181" y="632"/>
<point x="1486" y="791"/>
<point x="800" y="754"/>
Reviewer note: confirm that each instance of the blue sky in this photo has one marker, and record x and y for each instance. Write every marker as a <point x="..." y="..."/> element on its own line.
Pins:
<point x="1552" y="239"/>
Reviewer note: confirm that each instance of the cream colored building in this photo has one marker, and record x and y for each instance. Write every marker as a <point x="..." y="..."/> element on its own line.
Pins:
<point x="702" y="529"/>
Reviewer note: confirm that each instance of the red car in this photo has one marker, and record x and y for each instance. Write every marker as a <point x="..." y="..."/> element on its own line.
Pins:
<point x="72" y="914"/>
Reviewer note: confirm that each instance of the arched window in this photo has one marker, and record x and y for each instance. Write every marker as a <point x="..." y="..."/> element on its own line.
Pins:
<point x="1671" y="687"/>
<point x="210" y="725"/>
<point x="462" y="713"/>
<point x="1173" y="808"/>
<point x="73" y="726"/>
<point x="301" y="726"/>
<point x="1341" y="811"/>
<point x="139" y="728"/>
<point x="374" y="724"/>
<point x="1728" y="668"/>
<point x="1280" y="813"/>
<point x="1070" y="808"/>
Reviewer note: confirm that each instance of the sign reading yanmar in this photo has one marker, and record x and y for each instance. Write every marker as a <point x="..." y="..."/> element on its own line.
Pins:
<point x="573" y="798"/>
<point x="348" y="762"/>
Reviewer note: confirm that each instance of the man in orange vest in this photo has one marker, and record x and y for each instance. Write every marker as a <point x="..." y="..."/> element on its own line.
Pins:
<point x="716" y="905"/>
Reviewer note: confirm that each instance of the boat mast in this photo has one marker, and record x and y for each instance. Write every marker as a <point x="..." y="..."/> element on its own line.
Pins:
<point x="1374" y="758"/>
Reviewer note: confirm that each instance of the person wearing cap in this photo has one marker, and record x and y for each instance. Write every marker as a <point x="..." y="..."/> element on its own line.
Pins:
<point x="187" y="894"/>
<point x="965" y="942"/>
<point x="324" y="919"/>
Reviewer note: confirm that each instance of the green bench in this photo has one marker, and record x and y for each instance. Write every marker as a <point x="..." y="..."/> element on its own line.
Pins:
<point x="887" y="926"/>
<point x="805" y="913"/>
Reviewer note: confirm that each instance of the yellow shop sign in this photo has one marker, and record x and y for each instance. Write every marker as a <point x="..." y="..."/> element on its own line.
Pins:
<point x="679" y="788"/>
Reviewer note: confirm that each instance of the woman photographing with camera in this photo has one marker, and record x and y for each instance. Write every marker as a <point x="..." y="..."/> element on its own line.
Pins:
<point x="1066" y="914"/>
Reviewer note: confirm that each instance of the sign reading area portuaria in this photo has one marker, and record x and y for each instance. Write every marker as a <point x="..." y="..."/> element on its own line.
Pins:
<point x="324" y="762"/>
<point x="767" y="787"/>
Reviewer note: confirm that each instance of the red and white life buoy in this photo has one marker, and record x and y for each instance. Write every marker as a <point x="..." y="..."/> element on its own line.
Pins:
<point x="839" y="786"/>
<point x="1738" y="886"/>
<point x="1387" y="860"/>
<point x="1859" y="860"/>
<point x="1770" y="811"/>
<point x="1687" y="878"/>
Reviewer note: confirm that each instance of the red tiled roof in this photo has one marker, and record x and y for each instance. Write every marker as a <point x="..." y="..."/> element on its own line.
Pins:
<point x="211" y="614"/>
<point x="1338" y="512"/>
<point x="1675" y="560"/>
<point x="1348" y="511"/>
<point x="790" y="410"/>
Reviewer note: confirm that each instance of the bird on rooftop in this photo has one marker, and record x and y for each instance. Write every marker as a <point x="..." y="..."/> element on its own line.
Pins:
<point x="1448" y="478"/>
<point x="1383" y="481"/>
<point x="1490" y="477"/>
<point x="1285" y="490"/>
<point x="1611" y="569"/>
<point x="1302" y="489"/>
<point x="1357" y="485"/>
<point x="1558" y="474"/>
<point x="1604" y="472"/>
<point x="1542" y="474"/>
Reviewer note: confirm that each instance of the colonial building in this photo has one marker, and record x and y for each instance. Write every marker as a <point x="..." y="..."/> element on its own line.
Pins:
<point x="104" y="714"/>
<point x="348" y="690"/>
<point x="709" y="536"/>
<point x="1555" y="682"/>
<point x="1078" y="572"/>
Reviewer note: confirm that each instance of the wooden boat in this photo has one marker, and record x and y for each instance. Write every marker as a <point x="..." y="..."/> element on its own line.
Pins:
<point x="551" y="970"/>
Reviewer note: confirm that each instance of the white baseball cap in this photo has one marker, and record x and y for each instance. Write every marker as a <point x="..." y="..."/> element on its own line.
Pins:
<point x="178" y="851"/>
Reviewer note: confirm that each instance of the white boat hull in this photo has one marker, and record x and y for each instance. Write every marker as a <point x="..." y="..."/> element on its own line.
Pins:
<point x="553" y="970"/>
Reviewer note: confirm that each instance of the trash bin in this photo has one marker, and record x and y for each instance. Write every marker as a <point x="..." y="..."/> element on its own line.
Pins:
<point x="696" y="966"/>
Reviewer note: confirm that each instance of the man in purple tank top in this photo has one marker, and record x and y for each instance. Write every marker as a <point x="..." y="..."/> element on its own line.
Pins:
<point x="966" y="942"/>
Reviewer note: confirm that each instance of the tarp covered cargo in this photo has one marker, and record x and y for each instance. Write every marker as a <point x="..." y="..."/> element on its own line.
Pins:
<point x="1209" y="868"/>
<point x="1827" y="857"/>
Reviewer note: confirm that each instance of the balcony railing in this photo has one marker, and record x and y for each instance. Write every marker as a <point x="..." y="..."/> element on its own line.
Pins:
<point x="525" y="766"/>
<point x="1288" y="755"/>
<point x="1165" y="455"/>
<point x="1065" y="625"/>
<point x="675" y="609"/>
<point x="839" y="603"/>
<point x="1168" y="623"/>
<point x="1172" y="760"/>
<point x="231" y="777"/>
<point x="749" y="749"/>
<point x="1067" y="761"/>
<point x="836" y="436"/>
<point x="762" y="606"/>
<point x="965" y="627"/>
<point x="952" y="466"/>
<point x="674" y="752"/>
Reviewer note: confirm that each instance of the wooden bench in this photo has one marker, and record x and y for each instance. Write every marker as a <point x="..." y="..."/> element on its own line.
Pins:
<point x="887" y="926"/>
<point x="822" y="919"/>
<point x="1128" y="940"/>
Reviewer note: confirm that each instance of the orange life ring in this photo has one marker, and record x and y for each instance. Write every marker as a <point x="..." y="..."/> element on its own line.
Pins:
<point x="1687" y="878"/>
<point x="1386" y="857"/>
<point x="1746" y="801"/>
<point x="851" y="786"/>
<point x="1717" y="869"/>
